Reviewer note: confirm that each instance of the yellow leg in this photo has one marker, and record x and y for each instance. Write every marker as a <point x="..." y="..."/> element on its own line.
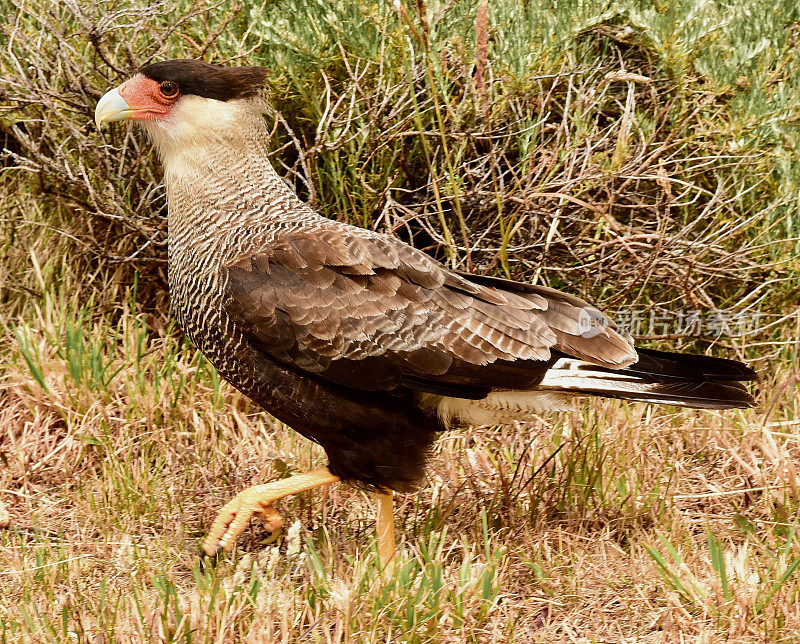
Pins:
<point x="234" y="516"/>
<point x="386" y="544"/>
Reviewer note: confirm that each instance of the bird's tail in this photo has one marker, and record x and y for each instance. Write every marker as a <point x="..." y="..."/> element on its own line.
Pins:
<point x="659" y="377"/>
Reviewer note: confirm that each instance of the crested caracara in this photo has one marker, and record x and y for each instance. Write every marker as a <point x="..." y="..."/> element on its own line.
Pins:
<point x="353" y="338"/>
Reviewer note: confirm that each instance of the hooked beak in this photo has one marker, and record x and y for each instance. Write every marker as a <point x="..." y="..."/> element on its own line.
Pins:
<point x="112" y="107"/>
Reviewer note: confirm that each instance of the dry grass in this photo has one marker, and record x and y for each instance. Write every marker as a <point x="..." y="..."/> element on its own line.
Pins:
<point x="610" y="523"/>
<point x="632" y="154"/>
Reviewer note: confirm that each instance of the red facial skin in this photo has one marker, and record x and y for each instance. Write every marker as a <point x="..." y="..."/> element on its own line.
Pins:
<point x="147" y="97"/>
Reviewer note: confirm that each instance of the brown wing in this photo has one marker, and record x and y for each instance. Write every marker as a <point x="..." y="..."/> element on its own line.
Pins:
<point x="582" y="331"/>
<point x="368" y="312"/>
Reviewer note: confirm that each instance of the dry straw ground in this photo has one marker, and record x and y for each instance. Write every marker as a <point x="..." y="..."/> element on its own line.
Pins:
<point x="640" y="154"/>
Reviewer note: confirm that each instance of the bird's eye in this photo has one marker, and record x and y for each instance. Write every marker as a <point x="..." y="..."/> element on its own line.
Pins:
<point x="168" y="89"/>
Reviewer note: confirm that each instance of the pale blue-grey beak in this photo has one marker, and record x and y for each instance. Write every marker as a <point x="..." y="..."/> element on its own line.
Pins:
<point x="112" y="107"/>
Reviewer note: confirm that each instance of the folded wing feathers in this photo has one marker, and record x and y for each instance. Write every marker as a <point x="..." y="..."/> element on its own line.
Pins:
<point x="351" y="295"/>
<point x="361" y="286"/>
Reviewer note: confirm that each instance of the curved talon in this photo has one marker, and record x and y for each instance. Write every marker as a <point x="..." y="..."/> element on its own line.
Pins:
<point x="234" y="516"/>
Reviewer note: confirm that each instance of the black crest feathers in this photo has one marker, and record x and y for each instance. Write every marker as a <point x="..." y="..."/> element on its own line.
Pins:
<point x="198" y="78"/>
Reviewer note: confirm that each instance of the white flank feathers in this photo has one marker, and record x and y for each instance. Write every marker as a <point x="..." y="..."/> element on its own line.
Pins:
<point x="500" y="407"/>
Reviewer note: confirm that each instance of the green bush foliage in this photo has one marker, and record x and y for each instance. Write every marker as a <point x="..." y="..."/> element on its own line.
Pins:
<point x="634" y="153"/>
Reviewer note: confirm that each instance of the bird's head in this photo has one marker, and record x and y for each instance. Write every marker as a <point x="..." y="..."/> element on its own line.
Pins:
<point x="180" y="102"/>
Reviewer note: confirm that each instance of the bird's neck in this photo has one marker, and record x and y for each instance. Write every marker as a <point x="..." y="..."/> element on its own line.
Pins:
<point x="223" y="180"/>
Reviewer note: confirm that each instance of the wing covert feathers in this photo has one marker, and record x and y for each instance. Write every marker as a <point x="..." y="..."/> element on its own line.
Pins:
<point x="369" y="312"/>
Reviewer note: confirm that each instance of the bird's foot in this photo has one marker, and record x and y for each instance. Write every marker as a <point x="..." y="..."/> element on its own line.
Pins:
<point x="271" y="517"/>
<point x="234" y="516"/>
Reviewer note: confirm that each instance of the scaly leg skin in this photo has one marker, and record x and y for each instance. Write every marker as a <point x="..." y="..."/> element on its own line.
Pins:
<point x="234" y="516"/>
<point x="386" y="544"/>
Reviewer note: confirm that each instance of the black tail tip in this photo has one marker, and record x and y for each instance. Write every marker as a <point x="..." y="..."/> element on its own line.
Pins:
<point x="699" y="381"/>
